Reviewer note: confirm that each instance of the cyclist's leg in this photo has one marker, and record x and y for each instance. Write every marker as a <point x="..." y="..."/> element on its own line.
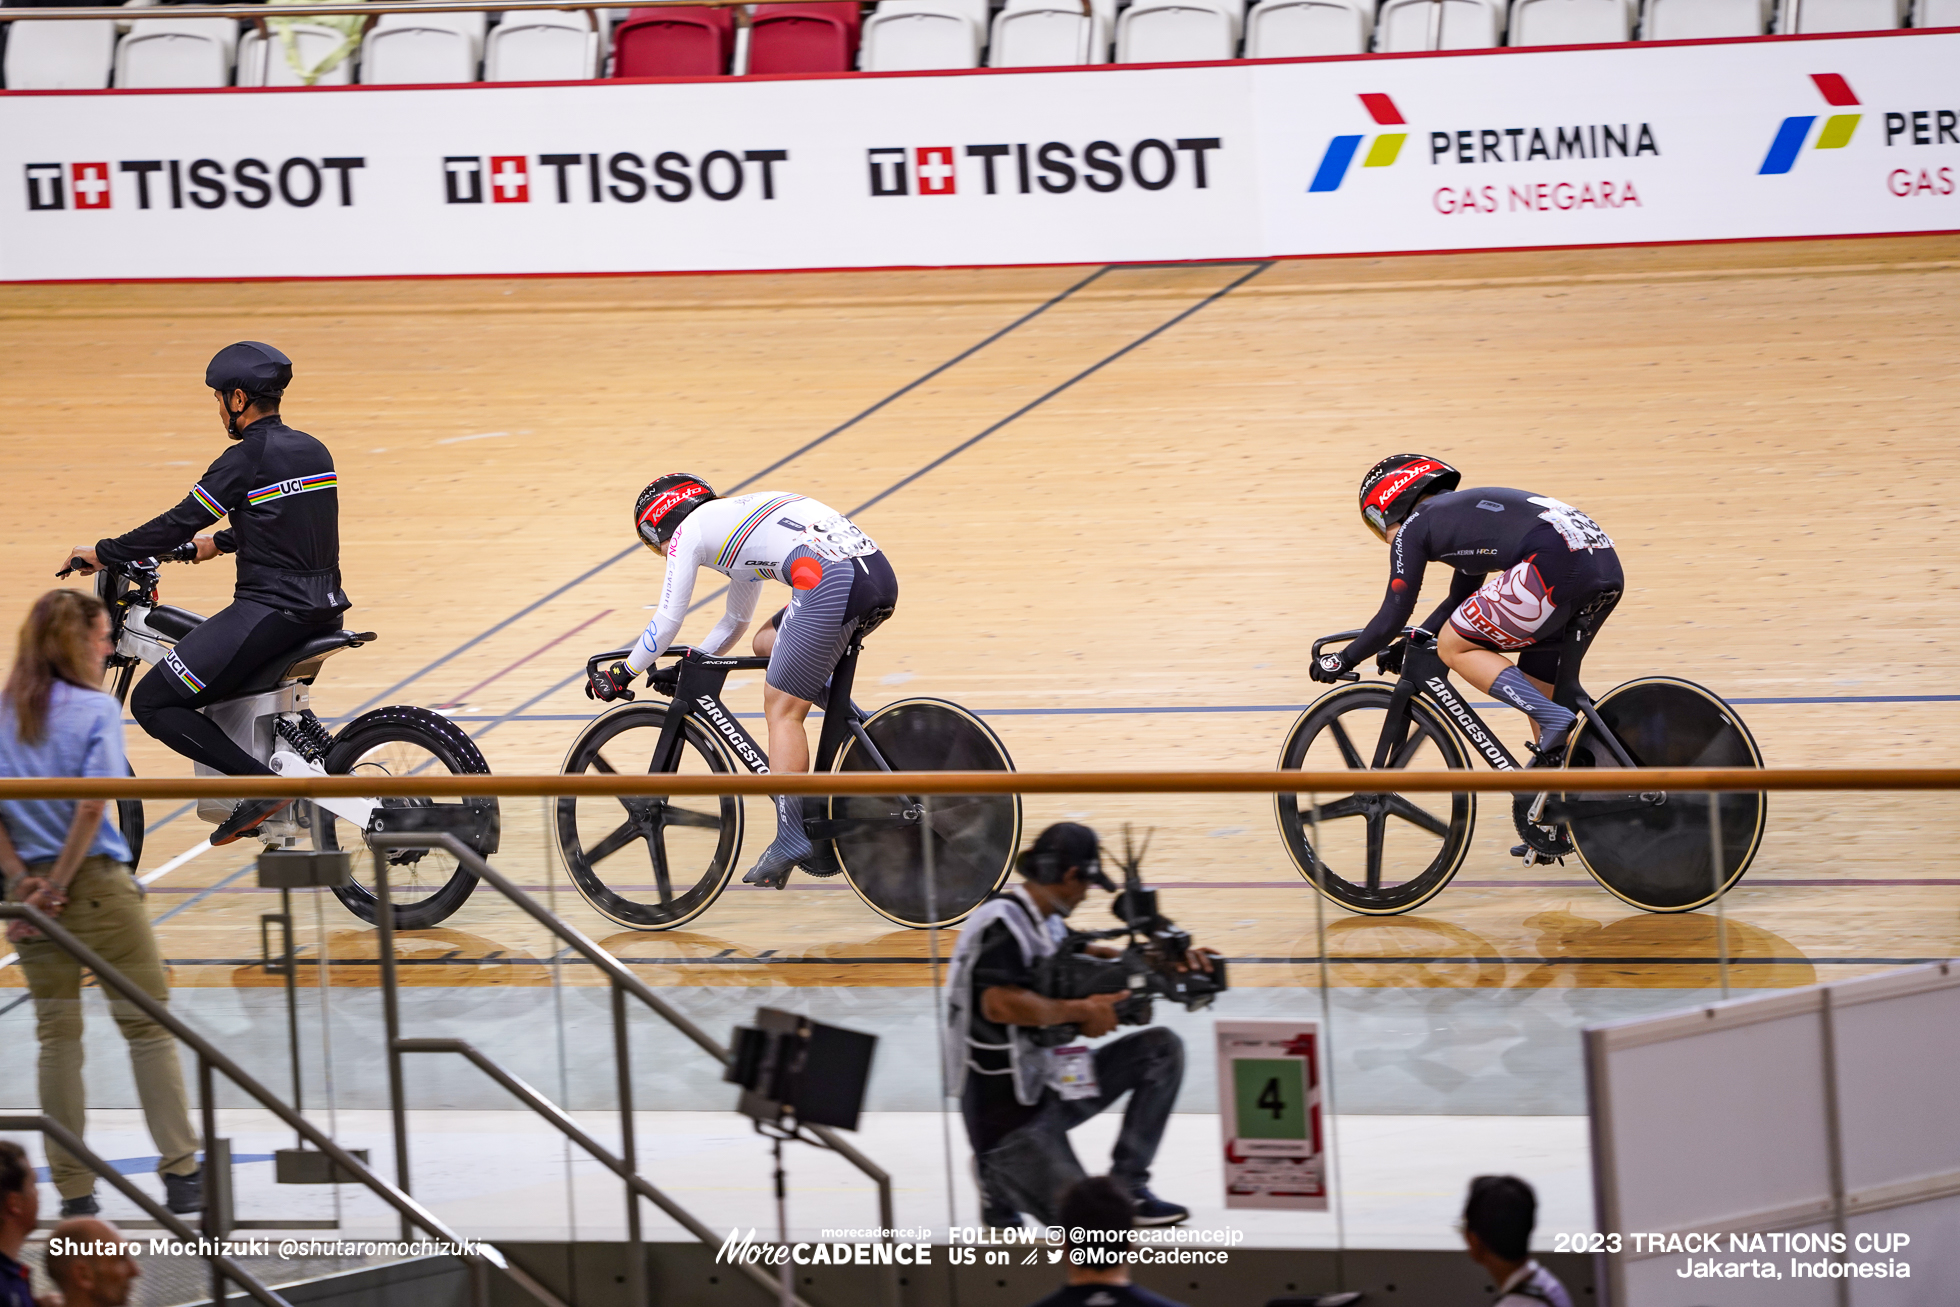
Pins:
<point x="208" y="665"/>
<point x="764" y="643"/>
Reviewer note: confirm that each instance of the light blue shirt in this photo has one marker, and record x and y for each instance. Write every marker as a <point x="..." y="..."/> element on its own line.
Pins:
<point x="83" y="737"/>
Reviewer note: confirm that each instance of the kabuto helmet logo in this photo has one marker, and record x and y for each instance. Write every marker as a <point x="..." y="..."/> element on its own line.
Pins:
<point x="1835" y="135"/>
<point x="1341" y="150"/>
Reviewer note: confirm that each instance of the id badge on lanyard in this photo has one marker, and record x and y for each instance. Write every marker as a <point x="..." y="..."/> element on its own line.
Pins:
<point x="1075" y="1072"/>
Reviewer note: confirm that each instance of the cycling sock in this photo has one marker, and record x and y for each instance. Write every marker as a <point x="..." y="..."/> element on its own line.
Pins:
<point x="1553" y="721"/>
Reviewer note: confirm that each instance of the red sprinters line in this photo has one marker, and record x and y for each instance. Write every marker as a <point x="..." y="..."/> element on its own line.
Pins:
<point x="1383" y="109"/>
<point x="464" y="696"/>
<point x="1836" y="90"/>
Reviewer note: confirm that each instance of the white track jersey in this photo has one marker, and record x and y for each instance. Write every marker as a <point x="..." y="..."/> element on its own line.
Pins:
<point x="749" y="539"/>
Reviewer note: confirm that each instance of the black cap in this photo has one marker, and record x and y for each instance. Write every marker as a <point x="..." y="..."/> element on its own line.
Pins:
<point x="251" y="366"/>
<point x="1067" y="844"/>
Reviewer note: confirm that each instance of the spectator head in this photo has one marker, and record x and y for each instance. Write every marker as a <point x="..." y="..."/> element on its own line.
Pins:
<point x="1095" y="1206"/>
<point x="88" y="1263"/>
<point x="20" y="1197"/>
<point x="1065" y="860"/>
<point x="65" y="638"/>
<point x="1497" y="1219"/>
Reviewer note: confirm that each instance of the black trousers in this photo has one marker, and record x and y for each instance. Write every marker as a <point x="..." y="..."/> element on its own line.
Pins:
<point x="211" y="664"/>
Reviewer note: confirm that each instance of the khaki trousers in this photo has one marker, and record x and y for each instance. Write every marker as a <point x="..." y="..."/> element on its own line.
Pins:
<point x="105" y="911"/>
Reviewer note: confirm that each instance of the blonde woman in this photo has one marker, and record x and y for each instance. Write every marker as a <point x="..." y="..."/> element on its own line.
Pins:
<point x="68" y="859"/>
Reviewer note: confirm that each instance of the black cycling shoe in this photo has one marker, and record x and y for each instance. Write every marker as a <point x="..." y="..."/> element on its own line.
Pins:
<point x="791" y="846"/>
<point x="1533" y="858"/>
<point x="1552" y="755"/>
<point x="1152" y="1210"/>
<point x="246" y="818"/>
<point x="184" y="1194"/>
<point x="83" y="1206"/>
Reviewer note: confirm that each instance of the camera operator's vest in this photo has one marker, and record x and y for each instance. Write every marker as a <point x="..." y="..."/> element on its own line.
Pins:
<point x="1038" y="937"/>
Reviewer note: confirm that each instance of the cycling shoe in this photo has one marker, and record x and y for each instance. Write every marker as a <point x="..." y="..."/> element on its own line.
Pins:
<point x="246" y="818"/>
<point x="791" y="846"/>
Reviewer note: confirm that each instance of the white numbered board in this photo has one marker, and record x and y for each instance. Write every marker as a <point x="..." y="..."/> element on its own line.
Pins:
<point x="1269" y="1098"/>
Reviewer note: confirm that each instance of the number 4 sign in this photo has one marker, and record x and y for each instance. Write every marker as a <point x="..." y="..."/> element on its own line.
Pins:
<point x="1269" y="1109"/>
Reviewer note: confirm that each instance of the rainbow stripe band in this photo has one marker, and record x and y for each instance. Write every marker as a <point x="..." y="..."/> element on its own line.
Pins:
<point x="211" y="506"/>
<point x="294" y="486"/>
<point x="184" y="674"/>
<point x="732" y="548"/>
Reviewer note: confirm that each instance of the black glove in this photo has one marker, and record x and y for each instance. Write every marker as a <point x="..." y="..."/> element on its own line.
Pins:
<point x="665" y="679"/>
<point x="610" y="683"/>
<point x="1328" y="668"/>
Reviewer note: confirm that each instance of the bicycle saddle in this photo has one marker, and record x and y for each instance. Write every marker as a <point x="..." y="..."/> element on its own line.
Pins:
<point x="302" y="662"/>
<point x="173" y="623"/>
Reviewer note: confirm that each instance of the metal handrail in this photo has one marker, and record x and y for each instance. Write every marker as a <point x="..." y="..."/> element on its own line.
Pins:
<point x="623" y="982"/>
<point x="210" y="1059"/>
<point x="87" y="1156"/>
<point x="1700" y="780"/>
<point x="253" y="13"/>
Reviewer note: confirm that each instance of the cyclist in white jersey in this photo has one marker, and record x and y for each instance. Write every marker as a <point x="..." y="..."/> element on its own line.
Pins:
<point x="839" y="582"/>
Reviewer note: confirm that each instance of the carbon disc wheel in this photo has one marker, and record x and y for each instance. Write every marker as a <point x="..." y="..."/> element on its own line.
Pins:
<point x="648" y="862"/>
<point x="974" y="836"/>
<point x="1379" y="853"/>
<point x="1656" y="856"/>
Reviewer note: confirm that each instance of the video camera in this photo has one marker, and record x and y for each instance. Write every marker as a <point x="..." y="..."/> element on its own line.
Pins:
<point x="1154" y="964"/>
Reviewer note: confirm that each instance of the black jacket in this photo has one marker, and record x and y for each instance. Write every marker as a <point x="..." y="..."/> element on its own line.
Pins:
<point x="279" y="488"/>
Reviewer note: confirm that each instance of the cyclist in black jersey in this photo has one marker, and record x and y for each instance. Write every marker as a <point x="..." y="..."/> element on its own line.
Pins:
<point x="280" y="490"/>
<point x="1524" y="564"/>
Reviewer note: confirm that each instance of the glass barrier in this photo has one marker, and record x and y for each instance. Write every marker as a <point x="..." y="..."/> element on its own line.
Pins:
<point x="1445" y="1030"/>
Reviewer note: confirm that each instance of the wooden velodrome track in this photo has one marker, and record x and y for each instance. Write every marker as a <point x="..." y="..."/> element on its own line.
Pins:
<point x="1117" y="527"/>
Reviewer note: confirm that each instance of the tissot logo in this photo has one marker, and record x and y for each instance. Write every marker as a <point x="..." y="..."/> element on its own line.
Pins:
<point x="199" y="184"/>
<point x="1835" y="135"/>
<point x="1052" y="168"/>
<point x="622" y="177"/>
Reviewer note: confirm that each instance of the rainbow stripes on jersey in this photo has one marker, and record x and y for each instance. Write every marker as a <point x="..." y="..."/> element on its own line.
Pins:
<point x="293" y="486"/>
<point x="731" y="549"/>
<point x="211" y="506"/>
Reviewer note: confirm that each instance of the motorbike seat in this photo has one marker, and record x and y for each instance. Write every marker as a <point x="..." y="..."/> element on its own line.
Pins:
<point x="302" y="662"/>
<point x="173" y="623"/>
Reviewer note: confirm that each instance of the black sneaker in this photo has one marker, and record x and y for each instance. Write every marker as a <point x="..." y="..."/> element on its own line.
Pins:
<point x="83" y="1206"/>
<point x="245" y="819"/>
<point x="999" y="1215"/>
<point x="184" y="1194"/>
<point x="1152" y="1210"/>
<point x="1553" y="756"/>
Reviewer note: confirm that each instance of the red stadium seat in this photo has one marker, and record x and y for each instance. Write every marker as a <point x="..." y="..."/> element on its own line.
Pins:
<point x="683" y="41"/>
<point x="804" y="38"/>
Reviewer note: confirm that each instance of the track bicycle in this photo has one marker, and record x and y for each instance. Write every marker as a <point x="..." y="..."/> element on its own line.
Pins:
<point x="1387" y="853"/>
<point x="654" y="862"/>
<point x="269" y="718"/>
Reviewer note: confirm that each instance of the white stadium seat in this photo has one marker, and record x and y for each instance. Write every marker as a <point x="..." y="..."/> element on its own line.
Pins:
<point x="1403" y="25"/>
<point x="1177" y="31"/>
<point x="1694" y="20"/>
<point x="910" y="35"/>
<point x="1799" y="17"/>
<point x="409" y="49"/>
<point x="1936" y="13"/>
<point x="60" y="55"/>
<point x="1570" y="22"/>
<point x="1285" y="29"/>
<point x="167" y="52"/>
<point x="545" y="45"/>
<point x="1048" y="34"/>
<point x="266" y="63"/>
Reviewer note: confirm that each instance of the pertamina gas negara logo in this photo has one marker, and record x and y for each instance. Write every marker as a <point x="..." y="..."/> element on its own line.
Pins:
<point x="1566" y="185"/>
<point x="1835" y="135"/>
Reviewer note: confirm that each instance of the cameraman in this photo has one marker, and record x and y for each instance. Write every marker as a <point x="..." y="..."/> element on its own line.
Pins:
<point x="1019" y="1099"/>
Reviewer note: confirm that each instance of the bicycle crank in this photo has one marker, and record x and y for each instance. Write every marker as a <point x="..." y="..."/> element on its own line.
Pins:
<point x="1544" y="841"/>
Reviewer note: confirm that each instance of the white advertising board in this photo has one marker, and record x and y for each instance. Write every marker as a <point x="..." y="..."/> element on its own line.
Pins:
<point x="1270" y="1112"/>
<point x="1697" y="141"/>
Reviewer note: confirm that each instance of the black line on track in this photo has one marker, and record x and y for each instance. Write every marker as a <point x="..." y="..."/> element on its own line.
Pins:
<point x="956" y="450"/>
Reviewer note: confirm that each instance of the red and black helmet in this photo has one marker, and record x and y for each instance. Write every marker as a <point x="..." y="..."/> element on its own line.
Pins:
<point x="665" y="503"/>
<point x="1394" y="486"/>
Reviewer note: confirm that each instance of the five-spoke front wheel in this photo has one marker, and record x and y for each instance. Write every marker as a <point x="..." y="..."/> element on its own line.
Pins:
<point x="1377" y="853"/>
